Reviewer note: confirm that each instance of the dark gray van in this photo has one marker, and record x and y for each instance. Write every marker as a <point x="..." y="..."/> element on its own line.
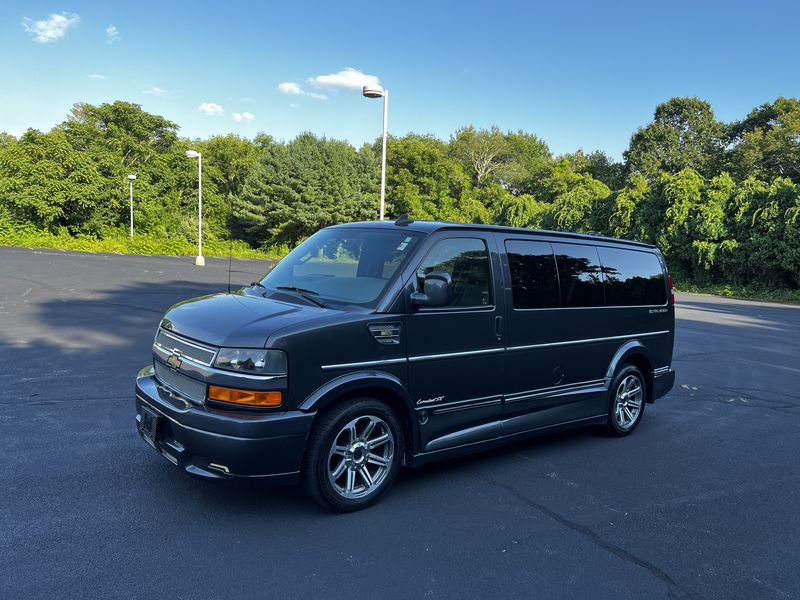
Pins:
<point x="377" y="345"/>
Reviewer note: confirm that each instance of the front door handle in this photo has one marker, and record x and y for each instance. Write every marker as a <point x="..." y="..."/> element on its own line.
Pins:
<point x="498" y="328"/>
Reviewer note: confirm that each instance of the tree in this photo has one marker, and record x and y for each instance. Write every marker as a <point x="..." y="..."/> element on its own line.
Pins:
<point x="229" y="159"/>
<point x="684" y="134"/>
<point x="573" y="197"/>
<point x="422" y="180"/>
<point x="766" y="144"/>
<point x="300" y="187"/>
<point x="480" y="151"/>
<point x="46" y="182"/>
<point x="529" y="160"/>
<point x="624" y="220"/>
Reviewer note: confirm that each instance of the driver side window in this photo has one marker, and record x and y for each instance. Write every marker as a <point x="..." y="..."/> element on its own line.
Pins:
<point x="466" y="260"/>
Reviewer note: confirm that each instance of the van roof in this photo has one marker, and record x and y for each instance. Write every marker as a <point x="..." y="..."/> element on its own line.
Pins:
<point x="431" y="226"/>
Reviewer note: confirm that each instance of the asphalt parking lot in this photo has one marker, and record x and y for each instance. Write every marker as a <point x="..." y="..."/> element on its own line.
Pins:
<point x="701" y="502"/>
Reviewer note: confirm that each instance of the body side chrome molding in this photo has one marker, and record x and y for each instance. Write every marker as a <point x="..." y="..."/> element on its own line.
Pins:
<point x="477" y="404"/>
<point x="587" y="340"/>
<point x="426" y="357"/>
<point x="420" y="358"/>
<point x="454" y="354"/>
<point x="515" y="397"/>
<point x="555" y="390"/>
<point x="367" y="363"/>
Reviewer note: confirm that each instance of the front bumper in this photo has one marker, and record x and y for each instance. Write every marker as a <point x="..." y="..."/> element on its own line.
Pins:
<point x="218" y="443"/>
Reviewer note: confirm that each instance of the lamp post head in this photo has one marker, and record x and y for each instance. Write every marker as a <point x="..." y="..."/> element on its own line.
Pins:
<point x="131" y="177"/>
<point x="192" y="154"/>
<point x="373" y="91"/>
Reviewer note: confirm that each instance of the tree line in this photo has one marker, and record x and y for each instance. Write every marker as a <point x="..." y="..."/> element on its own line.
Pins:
<point x="722" y="200"/>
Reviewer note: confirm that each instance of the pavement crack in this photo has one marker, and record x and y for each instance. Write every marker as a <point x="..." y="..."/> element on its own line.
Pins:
<point x="674" y="590"/>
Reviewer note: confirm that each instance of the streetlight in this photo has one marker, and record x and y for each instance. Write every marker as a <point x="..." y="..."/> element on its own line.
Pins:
<point x="130" y="183"/>
<point x="378" y="92"/>
<point x="199" y="260"/>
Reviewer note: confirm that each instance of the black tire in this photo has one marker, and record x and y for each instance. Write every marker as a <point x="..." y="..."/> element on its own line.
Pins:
<point x="619" y="424"/>
<point x="356" y="455"/>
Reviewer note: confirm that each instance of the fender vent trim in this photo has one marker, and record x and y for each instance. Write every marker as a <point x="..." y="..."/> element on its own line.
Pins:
<point x="387" y="334"/>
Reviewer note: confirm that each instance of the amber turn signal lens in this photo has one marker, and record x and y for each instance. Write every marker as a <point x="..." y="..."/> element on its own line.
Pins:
<point x="248" y="397"/>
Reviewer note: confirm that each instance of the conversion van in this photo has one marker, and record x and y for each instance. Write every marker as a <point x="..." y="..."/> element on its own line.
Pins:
<point x="378" y="345"/>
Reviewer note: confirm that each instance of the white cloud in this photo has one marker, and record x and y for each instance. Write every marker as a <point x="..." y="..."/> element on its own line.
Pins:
<point x="211" y="108"/>
<point x="50" y="29"/>
<point x="243" y="116"/>
<point x="349" y="79"/>
<point x="247" y="99"/>
<point x="291" y="88"/>
<point x="154" y="91"/>
<point x="96" y="76"/>
<point x="112" y="34"/>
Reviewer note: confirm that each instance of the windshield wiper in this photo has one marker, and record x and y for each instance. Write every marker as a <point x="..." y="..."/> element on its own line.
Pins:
<point x="307" y="294"/>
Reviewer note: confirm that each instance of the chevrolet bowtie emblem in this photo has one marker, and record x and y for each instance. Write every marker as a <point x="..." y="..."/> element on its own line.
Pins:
<point x="174" y="360"/>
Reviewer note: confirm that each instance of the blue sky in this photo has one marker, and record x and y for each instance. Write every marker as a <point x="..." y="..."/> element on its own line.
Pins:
<point x="578" y="74"/>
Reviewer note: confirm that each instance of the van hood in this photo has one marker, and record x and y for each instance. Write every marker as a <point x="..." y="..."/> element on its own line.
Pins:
<point x="235" y="320"/>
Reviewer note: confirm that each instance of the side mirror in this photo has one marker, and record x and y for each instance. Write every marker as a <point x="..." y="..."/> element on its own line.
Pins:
<point x="438" y="290"/>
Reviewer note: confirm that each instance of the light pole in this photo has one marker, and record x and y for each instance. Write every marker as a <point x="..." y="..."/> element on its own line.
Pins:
<point x="199" y="260"/>
<point x="378" y="92"/>
<point x="131" y="178"/>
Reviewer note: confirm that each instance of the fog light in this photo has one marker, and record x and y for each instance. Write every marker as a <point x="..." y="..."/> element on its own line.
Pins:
<point x="248" y="397"/>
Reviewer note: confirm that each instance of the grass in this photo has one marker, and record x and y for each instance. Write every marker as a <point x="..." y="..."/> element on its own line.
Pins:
<point x="744" y="292"/>
<point x="120" y="242"/>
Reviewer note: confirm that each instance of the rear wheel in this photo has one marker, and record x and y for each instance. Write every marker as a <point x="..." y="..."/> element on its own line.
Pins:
<point x="354" y="453"/>
<point x="627" y="400"/>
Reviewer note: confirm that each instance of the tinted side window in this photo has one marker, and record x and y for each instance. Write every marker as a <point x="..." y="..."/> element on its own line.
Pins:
<point x="534" y="281"/>
<point x="632" y="277"/>
<point x="579" y="275"/>
<point x="467" y="262"/>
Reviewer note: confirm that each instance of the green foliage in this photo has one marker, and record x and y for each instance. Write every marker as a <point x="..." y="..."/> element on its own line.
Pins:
<point x="767" y="142"/>
<point x="304" y="185"/>
<point x="684" y="134"/>
<point x="480" y="151"/>
<point x="47" y="182"/>
<point x="721" y="200"/>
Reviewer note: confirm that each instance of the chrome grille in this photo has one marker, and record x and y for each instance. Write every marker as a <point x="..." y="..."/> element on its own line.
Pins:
<point x="185" y="386"/>
<point x="174" y="344"/>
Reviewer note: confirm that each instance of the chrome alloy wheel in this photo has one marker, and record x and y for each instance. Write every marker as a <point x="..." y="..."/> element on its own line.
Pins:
<point x="628" y="402"/>
<point x="360" y="456"/>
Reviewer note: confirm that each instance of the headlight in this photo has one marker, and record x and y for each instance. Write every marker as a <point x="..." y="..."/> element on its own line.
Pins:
<point x="248" y="360"/>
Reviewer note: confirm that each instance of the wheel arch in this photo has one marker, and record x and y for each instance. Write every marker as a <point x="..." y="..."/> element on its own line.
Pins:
<point x="636" y="353"/>
<point x="374" y="384"/>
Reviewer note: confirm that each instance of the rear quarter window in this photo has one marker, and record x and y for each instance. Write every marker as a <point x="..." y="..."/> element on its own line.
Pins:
<point x="534" y="281"/>
<point x="632" y="278"/>
<point x="580" y="275"/>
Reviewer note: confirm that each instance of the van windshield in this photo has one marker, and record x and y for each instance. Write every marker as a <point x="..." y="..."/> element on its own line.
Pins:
<point x="351" y="266"/>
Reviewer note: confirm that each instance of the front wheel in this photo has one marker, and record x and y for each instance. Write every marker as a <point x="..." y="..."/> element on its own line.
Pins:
<point x="627" y="401"/>
<point x="354" y="453"/>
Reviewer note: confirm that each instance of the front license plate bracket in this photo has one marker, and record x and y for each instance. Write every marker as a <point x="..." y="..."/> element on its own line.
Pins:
<point x="148" y="425"/>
